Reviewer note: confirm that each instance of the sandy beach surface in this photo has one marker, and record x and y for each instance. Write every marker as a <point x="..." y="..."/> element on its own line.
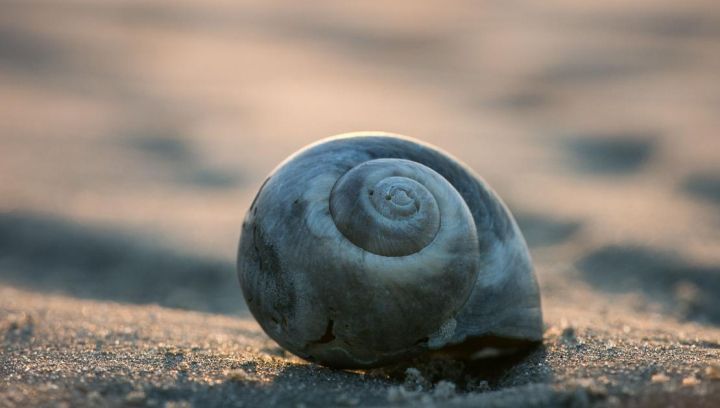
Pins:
<point x="134" y="135"/>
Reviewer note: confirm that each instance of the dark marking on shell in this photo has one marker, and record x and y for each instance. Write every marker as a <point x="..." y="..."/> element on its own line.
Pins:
<point x="329" y="335"/>
<point x="253" y="208"/>
<point x="272" y="276"/>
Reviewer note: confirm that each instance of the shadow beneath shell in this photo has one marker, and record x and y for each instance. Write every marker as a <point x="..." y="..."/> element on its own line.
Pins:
<point x="437" y="376"/>
<point x="491" y="369"/>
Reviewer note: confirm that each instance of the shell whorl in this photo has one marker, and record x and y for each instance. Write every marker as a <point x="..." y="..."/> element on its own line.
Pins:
<point x="385" y="206"/>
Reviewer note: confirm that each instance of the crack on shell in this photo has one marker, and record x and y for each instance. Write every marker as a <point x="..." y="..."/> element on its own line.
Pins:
<point x="329" y="334"/>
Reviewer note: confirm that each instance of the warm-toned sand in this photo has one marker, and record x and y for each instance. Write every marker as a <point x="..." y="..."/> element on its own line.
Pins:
<point x="133" y="136"/>
<point x="80" y="352"/>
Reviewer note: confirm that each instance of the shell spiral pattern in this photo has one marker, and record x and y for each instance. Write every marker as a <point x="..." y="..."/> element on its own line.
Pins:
<point x="368" y="248"/>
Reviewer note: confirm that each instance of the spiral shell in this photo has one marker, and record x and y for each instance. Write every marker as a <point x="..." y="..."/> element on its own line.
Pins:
<point x="365" y="249"/>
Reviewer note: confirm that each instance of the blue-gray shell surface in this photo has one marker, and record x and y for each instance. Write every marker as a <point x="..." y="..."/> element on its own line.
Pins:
<point x="369" y="248"/>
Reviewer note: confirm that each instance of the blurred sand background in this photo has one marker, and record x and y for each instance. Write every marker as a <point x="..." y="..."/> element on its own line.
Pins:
<point x="134" y="135"/>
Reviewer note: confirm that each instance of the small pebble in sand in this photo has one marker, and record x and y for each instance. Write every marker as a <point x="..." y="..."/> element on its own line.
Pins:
<point x="414" y="380"/>
<point x="94" y="399"/>
<point x="178" y="404"/>
<point x="553" y="331"/>
<point x="135" y="397"/>
<point x="659" y="378"/>
<point x="592" y="386"/>
<point x="477" y="385"/>
<point x="238" y="375"/>
<point x="347" y="401"/>
<point x="712" y="372"/>
<point x="398" y="394"/>
<point x="444" y="390"/>
<point x="690" y="381"/>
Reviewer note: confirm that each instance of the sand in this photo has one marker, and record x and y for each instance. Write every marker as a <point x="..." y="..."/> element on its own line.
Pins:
<point x="134" y="135"/>
<point x="60" y="350"/>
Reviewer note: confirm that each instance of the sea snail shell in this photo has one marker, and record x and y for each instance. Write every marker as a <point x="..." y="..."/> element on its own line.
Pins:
<point x="368" y="248"/>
